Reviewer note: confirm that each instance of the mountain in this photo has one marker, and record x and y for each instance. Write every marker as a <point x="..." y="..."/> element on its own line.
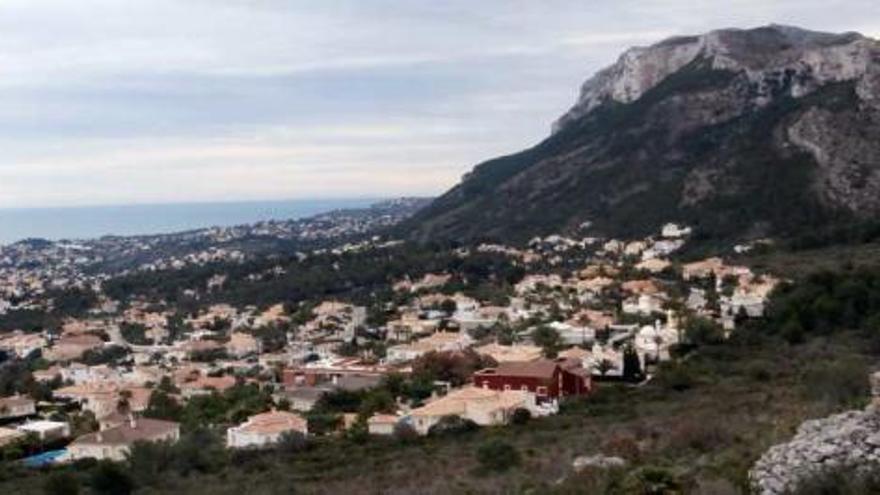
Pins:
<point x="741" y="133"/>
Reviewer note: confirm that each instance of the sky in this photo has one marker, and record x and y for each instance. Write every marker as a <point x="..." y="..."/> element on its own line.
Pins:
<point x="158" y="101"/>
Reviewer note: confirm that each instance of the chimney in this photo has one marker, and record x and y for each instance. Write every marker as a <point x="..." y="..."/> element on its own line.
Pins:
<point x="100" y="436"/>
<point x="132" y="421"/>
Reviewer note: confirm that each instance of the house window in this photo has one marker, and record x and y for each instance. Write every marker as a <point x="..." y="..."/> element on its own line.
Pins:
<point x="524" y="388"/>
<point x="506" y="387"/>
<point x="542" y="390"/>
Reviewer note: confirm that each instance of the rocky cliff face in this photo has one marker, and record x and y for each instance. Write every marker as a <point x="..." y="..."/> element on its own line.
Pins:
<point x="770" y="58"/>
<point x="738" y="130"/>
<point x="850" y="440"/>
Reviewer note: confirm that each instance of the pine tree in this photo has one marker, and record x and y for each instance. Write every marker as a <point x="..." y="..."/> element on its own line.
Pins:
<point x="632" y="366"/>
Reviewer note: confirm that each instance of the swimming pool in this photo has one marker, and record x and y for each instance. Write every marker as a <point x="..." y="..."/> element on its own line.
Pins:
<point x="44" y="459"/>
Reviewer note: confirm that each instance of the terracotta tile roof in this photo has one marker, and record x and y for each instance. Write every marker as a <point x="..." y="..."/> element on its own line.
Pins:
<point x="574" y="353"/>
<point x="543" y="368"/>
<point x="459" y="402"/>
<point x="383" y="419"/>
<point x="80" y="340"/>
<point x="640" y="287"/>
<point x="219" y="383"/>
<point x="16" y="401"/>
<point x="358" y="382"/>
<point x="145" y="429"/>
<point x="508" y="353"/>
<point x="274" y="422"/>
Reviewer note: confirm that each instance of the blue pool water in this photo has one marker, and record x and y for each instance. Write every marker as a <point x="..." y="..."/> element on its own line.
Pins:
<point x="43" y="459"/>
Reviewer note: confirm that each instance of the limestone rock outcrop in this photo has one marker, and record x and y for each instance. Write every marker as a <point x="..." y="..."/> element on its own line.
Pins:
<point x="847" y="440"/>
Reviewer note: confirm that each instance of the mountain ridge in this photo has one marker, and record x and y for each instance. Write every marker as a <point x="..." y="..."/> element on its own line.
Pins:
<point x="745" y="133"/>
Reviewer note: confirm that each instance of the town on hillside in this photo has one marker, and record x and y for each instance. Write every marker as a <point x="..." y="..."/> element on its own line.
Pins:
<point x="278" y="349"/>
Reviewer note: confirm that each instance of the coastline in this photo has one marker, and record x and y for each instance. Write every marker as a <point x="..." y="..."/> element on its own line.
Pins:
<point x="86" y="222"/>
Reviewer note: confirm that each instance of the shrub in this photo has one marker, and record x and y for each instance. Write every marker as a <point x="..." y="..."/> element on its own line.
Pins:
<point x="405" y="433"/>
<point x="134" y="333"/>
<point x="548" y="339"/>
<point x="497" y="455"/>
<point x="109" y="478"/>
<point x="837" y="383"/>
<point x="200" y="451"/>
<point x="453" y="367"/>
<point x="149" y="462"/>
<point x="521" y="416"/>
<point x="844" y="480"/>
<point x="452" y="425"/>
<point x="700" y="436"/>
<point x="292" y="442"/>
<point x="759" y="371"/>
<point x="652" y="480"/>
<point x="676" y="376"/>
<point x="701" y="331"/>
<point x="323" y="424"/>
<point x="792" y="331"/>
<point x="61" y="483"/>
<point x="624" y="447"/>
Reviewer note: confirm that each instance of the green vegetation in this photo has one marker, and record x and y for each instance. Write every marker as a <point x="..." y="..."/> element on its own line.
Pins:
<point x="362" y="277"/>
<point x="229" y="407"/>
<point x="673" y="435"/>
<point x="497" y="455"/>
<point x="17" y="377"/>
<point x="696" y="428"/>
<point x="548" y="339"/>
<point x="104" y="355"/>
<point x="827" y="302"/>
<point x="134" y="333"/>
<point x="68" y="303"/>
<point x="455" y="368"/>
<point x="845" y="480"/>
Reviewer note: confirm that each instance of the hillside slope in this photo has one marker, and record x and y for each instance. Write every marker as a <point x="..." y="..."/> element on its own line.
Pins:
<point x="769" y="131"/>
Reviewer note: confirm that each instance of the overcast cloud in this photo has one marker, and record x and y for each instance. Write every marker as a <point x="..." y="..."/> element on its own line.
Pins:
<point x="136" y="101"/>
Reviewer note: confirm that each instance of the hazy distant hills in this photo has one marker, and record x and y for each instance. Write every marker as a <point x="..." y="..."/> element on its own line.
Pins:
<point x="767" y="131"/>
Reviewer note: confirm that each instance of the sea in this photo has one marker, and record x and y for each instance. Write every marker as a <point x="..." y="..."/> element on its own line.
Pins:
<point x="86" y="222"/>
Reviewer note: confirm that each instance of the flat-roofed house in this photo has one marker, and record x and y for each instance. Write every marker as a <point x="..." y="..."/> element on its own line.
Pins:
<point x="46" y="430"/>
